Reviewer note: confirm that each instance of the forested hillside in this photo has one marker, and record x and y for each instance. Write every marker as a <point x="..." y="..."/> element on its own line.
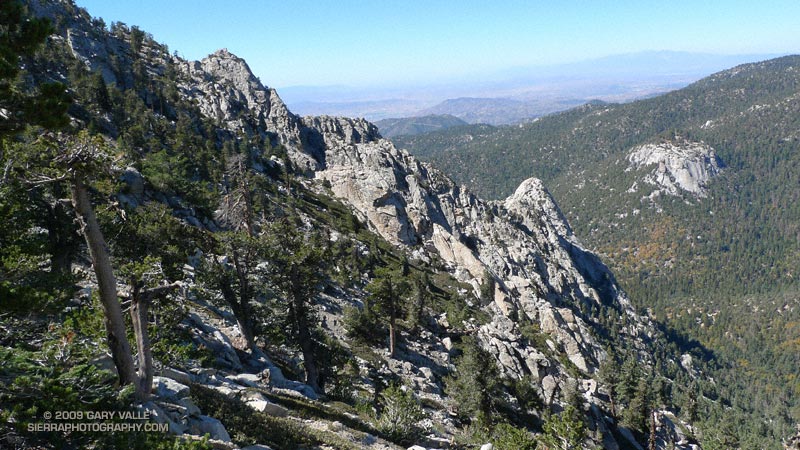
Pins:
<point x="691" y="197"/>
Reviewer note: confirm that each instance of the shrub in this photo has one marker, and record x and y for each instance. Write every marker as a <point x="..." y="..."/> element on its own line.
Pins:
<point x="509" y="437"/>
<point x="399" y="416"/>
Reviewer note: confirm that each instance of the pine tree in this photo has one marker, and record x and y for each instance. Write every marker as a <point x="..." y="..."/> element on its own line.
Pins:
<point x="565" y="431"/>
<point x="76" y="161"/>
<point x="475" y="387"/>
<point x="386" y="293"/>
<point x="629" y="379"/>
<point x="609" y="376"/>
<point x="295" y="271"/>
<point x="421" y="298"/>
<point x="487" y="288"/>
<point x="149" y="247"/>
<point x="637" y="413"/>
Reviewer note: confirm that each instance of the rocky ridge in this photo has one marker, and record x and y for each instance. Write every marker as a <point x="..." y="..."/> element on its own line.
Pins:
<point x="543" y="274"/>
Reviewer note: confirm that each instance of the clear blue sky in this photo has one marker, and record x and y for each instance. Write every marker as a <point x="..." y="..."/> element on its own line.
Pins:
<point x="373" y="42"/>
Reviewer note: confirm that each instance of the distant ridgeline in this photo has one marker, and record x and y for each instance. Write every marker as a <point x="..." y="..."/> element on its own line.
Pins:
<point x="417" y="125"/>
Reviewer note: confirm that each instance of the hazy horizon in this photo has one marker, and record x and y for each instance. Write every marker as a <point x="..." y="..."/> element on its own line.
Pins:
<point x="372" y="44"/>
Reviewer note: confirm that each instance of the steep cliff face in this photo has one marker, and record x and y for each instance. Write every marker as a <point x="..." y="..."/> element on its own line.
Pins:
<point x="522" y="242"/>
<point x="228" y="92"/>
<point x="225" y="89"/>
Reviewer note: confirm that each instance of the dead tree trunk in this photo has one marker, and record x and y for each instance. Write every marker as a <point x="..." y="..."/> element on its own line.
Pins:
<point x="107" y="285"/>
<point x="140" y="304"/>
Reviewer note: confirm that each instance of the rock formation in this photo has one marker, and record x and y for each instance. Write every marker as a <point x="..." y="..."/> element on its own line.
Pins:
<point x="687" y="166"/>
<point x="544" y="277"/>
<point x="543" y="274"/>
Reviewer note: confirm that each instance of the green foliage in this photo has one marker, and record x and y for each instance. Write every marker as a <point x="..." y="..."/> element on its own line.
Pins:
<point x="387" y="291"/>
<point x="509" y="437"/>
<point x="474" y="389"/>
<point x="503" y="436"/>
<point x="564" y="431"/>
<point x="724" y="436"/>
<point x="362" y="324"/>
<point x="338" y="369"/>
<point x="487" y="288"/>
<point x="400" y="414"/>
<point x="533" y="333"/>
<point x="248" y="427"/>
<point x="526" y="394"/>
<point x="347" y="261"/>
<point x="387" y="295"/>
<point x="637" y="412"/>
<point x="56" y="379"/>
<point x="238" y="275"/>
<point x="47" y="104"/>
<point x="608" y="375"/>
<point x="421" y="297"/>
<point x="457" y="310"/>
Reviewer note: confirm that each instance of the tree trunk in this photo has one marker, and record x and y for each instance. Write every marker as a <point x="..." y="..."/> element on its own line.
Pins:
<point x="240" y="311"/>
<point x="613" y="407"/>
<point x="61" y="235"/>
<point x="140" y="304"/>
<point x="310" y="363"/>
<point x="652" y="438"/>
<point x="391" y="333"/>
<point x="139" y="307"/>
<point x="98" y="251"/>
<point x="247" y="332"/>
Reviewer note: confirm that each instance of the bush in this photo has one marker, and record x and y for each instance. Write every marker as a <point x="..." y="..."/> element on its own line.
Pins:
<point x="509" y="437"/>
<point x="363" y="325"/>
<point x="400" y="415"/>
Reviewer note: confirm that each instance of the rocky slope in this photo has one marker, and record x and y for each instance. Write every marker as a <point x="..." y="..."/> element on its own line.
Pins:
<point x="544" y="277"/>
<point x="688" y="166"/>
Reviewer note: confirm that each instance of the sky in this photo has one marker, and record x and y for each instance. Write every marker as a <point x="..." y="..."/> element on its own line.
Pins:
<point x="380" y="42"/>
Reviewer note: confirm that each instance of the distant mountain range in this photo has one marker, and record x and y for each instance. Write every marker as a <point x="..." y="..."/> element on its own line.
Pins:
<point x="518" y="94"/>
<point x="499" y="111"/>
<point x="417" y="125"/>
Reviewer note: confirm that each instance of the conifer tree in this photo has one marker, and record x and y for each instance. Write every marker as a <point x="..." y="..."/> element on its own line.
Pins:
<point x="564" y="431"/>
<point x="295" y="268"/>
<point x="609" y="376"/>
<point x="475" y="387"/>
<point x="419" y="300"/>
<point x="386" y="292"/>
<point x="487" y="288"/>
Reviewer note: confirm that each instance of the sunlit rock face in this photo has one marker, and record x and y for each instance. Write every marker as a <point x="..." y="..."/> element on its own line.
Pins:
<point x="677" y="168"/>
